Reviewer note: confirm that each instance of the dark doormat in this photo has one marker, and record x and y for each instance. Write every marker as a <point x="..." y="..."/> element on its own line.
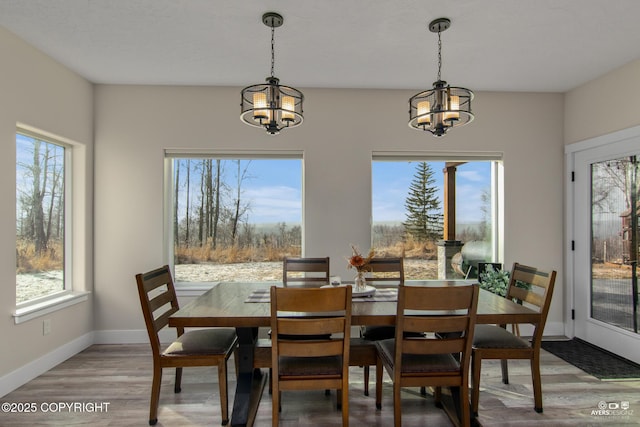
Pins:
<point x="593" y="360"/>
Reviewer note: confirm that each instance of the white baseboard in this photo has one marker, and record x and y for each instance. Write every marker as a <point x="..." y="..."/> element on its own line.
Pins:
<point x="31" y="370"/>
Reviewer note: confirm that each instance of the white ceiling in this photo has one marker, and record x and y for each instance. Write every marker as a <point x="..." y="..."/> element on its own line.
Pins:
<point x="501" y="45"/>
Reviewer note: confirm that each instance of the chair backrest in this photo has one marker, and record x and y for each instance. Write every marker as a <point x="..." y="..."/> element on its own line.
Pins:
<point x="300" y="271"/>
<point x="390" y="270"/>
<point x="446" y="315"/>
<point x="315" y="312"/>
<point x="159" y="301"/>
<point x="538" y="292"/>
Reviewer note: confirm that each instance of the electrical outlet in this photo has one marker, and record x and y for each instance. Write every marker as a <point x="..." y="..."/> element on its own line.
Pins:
<point x="46" y="326"/>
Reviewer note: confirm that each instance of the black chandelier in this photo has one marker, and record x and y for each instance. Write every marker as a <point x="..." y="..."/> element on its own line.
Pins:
<point x="444" y="106"/>
<point x="270" y="105"/>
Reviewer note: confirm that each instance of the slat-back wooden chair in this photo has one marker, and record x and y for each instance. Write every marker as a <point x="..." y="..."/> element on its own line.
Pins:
<point x="305" y="271"/>
<point x="495" y="342"/>
<point x="426" y="359"/>
<point x="302" y="272"/>
<point x="312" y="363"/>
<point x="202" y="347"/>
<point x="387" y="272"/>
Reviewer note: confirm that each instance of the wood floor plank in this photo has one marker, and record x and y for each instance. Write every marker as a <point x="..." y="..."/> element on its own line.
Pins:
<point x="120" y="376"/>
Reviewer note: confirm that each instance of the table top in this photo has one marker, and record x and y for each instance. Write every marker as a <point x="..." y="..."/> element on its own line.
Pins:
<point x="224" y="305"/>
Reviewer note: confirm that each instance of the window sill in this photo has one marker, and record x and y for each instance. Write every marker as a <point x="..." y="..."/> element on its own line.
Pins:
<point x="31" y="311"/>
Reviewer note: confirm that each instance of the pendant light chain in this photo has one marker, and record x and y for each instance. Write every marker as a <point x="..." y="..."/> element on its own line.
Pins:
<point x="273" y="56"/>
<point x="439" y="55"/>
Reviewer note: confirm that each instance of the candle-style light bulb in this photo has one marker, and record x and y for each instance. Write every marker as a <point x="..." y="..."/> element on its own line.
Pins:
<point x="424" y="118"/>
<point x="288" y="105"/>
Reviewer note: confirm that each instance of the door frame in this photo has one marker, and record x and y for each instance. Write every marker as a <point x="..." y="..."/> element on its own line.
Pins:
<point x="571" y="236"/>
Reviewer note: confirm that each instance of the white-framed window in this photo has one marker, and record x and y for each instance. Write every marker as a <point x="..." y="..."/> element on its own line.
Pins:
<point x="51" y="245"/>
<point x="409" y="193"/>
<point x="42" y="217"/>
<point x="232" y="216"/>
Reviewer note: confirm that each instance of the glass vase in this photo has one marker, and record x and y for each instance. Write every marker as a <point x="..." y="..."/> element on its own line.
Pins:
<point x="360" y="282"/>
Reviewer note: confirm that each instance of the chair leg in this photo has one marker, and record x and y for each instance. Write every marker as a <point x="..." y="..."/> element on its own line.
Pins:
<point x="379" y="374"/>
<point x="338" y="399"/>
<point x="270" y="381"/>
<point x="476" y="364"/>
<point x="437" y="397"/>
<point x="505" y="371"/>
<point x="275" y="406"/>
<point x="465" y="415"/>
<point x="537" y="383"/>
<point x="423" y="391"/>
<point x="155" y="394"/>
<point x="344" y="393"/>
<point x="224" y="399"/>
<point x="236" y="361"/>
<point x="177" y="387"/>
<point x="366" y="381"/>
<point x="397" y="414"/>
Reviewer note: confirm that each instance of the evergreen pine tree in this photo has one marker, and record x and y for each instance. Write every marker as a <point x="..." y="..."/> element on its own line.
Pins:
<point x="424" y="218"/>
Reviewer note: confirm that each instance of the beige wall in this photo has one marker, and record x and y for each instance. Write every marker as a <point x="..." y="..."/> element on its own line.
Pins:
<point x="134" y="124"/>
<point x="41" y="93"/>
<point x="604" y="105"/>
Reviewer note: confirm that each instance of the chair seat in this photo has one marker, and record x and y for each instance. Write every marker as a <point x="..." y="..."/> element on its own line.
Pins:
<point x="376" y="333"/>
<point x="422" y="363"/>
<point x="202" y="342"/>
<point x="310" y="366"/>
<point x="491" y="336"/>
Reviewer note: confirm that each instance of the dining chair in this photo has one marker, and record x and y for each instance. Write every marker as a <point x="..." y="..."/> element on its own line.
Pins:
<point x="533" y="288"/>
<point x="310" y="362"/>
<point x="384" y="271"/>
<point x="305" y="271"/>
<point x="201" y="347"/>
<point x="431" y="358"/>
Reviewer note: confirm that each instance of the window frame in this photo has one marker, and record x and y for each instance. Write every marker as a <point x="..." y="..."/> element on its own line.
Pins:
<point x="496" y="185"/>
<point x="70" y="294"/>
<point x="196" y="288"/>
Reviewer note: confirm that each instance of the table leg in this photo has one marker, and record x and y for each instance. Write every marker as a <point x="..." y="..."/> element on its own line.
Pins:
<point x="250" y="381"/>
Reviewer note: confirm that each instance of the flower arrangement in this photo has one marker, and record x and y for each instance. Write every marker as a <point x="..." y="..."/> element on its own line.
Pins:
<point x="359" y="262"/>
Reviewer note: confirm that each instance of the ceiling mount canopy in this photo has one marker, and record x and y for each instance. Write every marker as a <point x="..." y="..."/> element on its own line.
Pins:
<point x="442" y="107"/>
<point x="270" y="105"/>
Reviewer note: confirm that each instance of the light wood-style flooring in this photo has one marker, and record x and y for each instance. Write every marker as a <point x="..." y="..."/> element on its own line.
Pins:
<point x="120" y="375"/>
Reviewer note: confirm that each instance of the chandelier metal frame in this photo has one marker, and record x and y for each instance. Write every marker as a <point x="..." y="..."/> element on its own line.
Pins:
<point x="270" y="105"/>
<point x="442" y="107"/>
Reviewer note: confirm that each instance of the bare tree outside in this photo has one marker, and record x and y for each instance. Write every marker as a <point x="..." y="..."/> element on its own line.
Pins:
<point x="39" y="217"/>
<point x="236" y="238"/>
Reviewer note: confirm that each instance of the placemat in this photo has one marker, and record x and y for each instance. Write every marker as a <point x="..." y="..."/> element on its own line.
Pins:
<point x="381" y="295"/>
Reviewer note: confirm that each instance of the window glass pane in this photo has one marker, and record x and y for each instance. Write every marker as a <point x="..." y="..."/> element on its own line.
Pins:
<point x="409" y="213"/>
<point x="235" y="219"/>
<point x="40" y="217"/>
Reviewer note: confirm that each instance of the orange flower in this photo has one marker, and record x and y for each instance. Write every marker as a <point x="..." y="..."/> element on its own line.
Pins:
<point x="359" y="262"/>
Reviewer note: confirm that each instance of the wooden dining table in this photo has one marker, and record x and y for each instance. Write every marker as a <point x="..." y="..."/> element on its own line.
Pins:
<point x="225" y="305"/>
